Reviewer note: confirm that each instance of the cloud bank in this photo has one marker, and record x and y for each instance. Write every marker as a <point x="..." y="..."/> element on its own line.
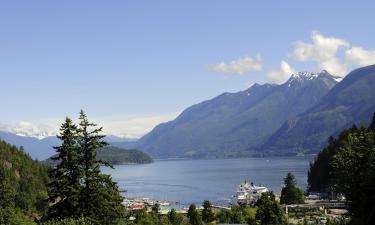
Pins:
<point x="239" y="66"/>
<point x="121" y="126"/>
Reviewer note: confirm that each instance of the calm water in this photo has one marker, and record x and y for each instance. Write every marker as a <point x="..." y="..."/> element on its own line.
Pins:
<point x="192" y="181"/>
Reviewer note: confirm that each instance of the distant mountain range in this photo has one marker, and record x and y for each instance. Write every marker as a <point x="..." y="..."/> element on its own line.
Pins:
<point x="43" y="148"/>
<point x="296" y="117"/>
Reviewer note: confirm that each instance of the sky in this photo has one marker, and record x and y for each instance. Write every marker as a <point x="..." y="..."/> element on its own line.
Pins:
<point x="133" y="64"/>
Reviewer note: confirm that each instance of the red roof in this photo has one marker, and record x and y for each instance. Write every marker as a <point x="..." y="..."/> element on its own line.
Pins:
<point x="136" y="207"/>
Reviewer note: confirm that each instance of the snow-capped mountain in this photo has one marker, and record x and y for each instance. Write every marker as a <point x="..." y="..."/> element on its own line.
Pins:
<point x="302" y="77"/>
<point x="232" y="123"/>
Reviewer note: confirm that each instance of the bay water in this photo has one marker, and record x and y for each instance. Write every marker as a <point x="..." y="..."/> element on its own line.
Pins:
<point x="193" y="181"/>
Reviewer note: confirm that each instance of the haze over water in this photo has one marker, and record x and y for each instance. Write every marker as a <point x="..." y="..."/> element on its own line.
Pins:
<point x="192" y="181"/>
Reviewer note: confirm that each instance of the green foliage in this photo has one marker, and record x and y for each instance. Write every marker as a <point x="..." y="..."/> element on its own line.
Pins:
<point x="207" y="213"/>
<point x="195" y="218"/>
<point x="78" y="188"/>
<point x="155" y="208"/>
<point x="290" y="194"/>
<point x="174" y="218"/>
<point x="7" y="190"/>
<point x="351" y="163"/>
<point x="191" y="210"/>
<point x="64" y="188"/>
<point x="22" y="180"/>
<point x="69" y="221"/>
<point x="119" y="156"/>
<point x="319" y="177"/>
<point x="269" y="211"/>
<point x="13" y="216"/>
<point x="354" y="174"/>
<point x="237" y="214"/>
<point x="155" y="218"/>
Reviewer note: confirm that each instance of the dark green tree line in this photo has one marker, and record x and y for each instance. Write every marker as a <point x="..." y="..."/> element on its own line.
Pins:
<point x="350" y="163"/>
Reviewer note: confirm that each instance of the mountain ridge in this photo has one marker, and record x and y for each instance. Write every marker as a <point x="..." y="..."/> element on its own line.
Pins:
<point x="233" y="122"/>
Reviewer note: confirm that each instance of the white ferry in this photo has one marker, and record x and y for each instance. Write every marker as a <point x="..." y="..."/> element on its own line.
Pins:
<point x="248" y="193"/>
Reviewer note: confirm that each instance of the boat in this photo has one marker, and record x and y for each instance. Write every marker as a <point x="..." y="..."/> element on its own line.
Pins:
<point x="248" y="193"/>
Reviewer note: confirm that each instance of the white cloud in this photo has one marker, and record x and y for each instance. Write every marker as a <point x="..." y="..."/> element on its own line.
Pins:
<point x="27" y="128"/>
<point x="333" y="54"/>
<point x="324" y="51"/>
<point x="282" y="74"/>
<point x="360" y="56"/>
<point x="239" y="66"/>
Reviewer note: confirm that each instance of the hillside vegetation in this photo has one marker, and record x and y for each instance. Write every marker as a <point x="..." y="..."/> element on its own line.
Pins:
<point x="22" y="181"/>
<point x="117" y="156"/>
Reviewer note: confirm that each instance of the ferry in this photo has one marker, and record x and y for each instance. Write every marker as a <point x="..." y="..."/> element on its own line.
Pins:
<point x="248" y="193"/>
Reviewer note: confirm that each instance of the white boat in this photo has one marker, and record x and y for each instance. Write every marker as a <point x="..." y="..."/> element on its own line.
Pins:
<point x="248" y="193"/>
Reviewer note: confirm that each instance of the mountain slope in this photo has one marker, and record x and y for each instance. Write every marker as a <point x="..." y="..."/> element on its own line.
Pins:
<point x="231" y="123"/>
<point x="351" y="101"/>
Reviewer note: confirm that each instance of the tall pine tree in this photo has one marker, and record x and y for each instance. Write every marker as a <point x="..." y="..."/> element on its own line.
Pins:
<point x="64" y="188"/>
<point x="100" y="199"/>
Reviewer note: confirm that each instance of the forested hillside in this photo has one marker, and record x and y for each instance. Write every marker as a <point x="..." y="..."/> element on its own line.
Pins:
<point x="22" y="181"/>
<point x="117" y="156"/>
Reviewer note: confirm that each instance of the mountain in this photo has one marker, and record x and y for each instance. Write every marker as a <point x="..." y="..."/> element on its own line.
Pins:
<point x="232" y="123"/>
<point x="43" y="148"/>
<point x="117" y="156"/>
<point x="36" y="148"/>
<point x="352" y="101"/>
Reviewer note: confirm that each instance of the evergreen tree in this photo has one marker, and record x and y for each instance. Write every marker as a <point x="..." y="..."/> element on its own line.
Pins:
<point x="354" y="174"/>
<point x="155" y="208"/>
<point x="100" y="199"/>
<point x="351" y="160"/>
<point x="269" y="211"/>
<point x="64" y="189"/>
<point x="207" y="213"/>
<point x="174" y="218"/>
<point x="290" y="194"/>
<point x="191" y="210"/>
<point x="78" y="188"/>
<point x="195" y="218"/>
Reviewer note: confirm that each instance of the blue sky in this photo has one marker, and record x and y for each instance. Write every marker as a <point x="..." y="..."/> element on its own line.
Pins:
<point x="133" y="64"/>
